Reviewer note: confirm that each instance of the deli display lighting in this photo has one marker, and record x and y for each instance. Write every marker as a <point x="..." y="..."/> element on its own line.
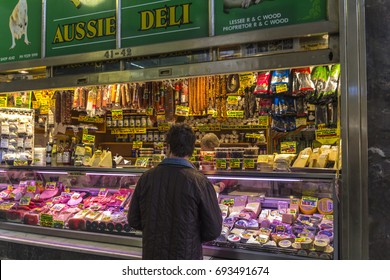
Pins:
<point x="112" y="174"/>
<point x="253" y="179"/>
<point x="53" y="172"/>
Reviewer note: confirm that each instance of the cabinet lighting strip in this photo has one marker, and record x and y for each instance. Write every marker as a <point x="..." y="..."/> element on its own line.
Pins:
<point x="2" y="171"/>
<point x="53" y="172"/>
<point x="113" y="174"/>
<point x="254" y="179"/>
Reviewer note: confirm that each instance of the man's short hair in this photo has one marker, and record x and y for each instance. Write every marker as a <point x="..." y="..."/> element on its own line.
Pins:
<point x="181" y="140"/>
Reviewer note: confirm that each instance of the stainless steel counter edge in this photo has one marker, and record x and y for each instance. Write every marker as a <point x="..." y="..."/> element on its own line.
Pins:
<point x="73" y="245"/>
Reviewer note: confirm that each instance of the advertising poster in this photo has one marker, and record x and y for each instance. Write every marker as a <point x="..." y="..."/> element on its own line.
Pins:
<point x="21" y="30"/>
<point x="158" y="21"/>
<point x="80" y="26"/>
<point x="232" y="16"/>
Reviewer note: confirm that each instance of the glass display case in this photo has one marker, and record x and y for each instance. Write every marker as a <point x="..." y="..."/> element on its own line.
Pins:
<point x="276" y="215"/>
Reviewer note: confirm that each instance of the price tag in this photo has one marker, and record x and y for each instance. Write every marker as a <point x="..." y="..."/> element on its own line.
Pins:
<point x="149" y="111"/>
<point x="220" y="163"/>
<point x="58" y="224"/>
<point x="3" y="101"/>
<point x="18" y="162"/>
<point x="182" y="111"/>
<point x="117" y="115"/>
<point x="31" y="189"/>
<point x="24" y="201"/>
<point x="235" y="114"/>
<point x="208" y="158"/>
<point x="103" y="192"/>
<point x="10" y="188"/>
<point x="57" y="207"/>
<point x="163" y="126"/>
<point x="235" y="163"/>
<point x="249" y="163"/>
<point x="140" y="130"/>
<point x="88" y="139"/>
<point x="300" y="122"/>
<point x="328" y="136"/>
<point x="51" y="185"/>
<point x="281" y="88"/>
<point x="90" y="119"/>
<point x="137" y="144"/>
<point x="46" y="220"/>
<point x="6" y="206"/>
<point x="288" y="147"/>
<point x="124" y="131"/>
<point x="232" y="100"/>
<point x="228" y="202"/>
<point x="264" y="121"/>
<point x="142" y="162"/>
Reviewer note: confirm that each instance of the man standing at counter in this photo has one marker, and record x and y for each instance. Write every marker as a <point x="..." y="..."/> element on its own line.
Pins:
<point x="174" y="204"/>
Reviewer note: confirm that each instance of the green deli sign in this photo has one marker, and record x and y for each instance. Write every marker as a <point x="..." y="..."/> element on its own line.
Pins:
<point x="148" y="22"/>
<point x="232" y="16"/>
<point x="80" y="26"/>
<point x="21" y="31"/>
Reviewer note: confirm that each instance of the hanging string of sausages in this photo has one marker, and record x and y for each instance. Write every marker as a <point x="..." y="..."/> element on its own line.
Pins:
<point x="199" y="94"/>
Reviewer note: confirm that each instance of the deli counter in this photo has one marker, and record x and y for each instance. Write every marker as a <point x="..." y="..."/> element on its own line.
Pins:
<point x="68" y="212"/>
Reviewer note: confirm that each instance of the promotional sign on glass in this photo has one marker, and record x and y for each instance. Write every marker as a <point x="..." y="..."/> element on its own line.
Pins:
<point x="20" y="31"/>
<point x="157" y="21"/>
<point x="80" y="26"/>
<point x="232" y="16"/>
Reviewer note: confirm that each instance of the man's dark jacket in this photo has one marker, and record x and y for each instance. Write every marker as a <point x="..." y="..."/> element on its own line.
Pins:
<point x="176" y="208"/>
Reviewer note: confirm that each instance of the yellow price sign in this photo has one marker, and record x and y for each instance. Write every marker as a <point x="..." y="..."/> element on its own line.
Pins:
<point x="3" y="101"/>
<point x="117" y="115"/>
<point x="88" y="139"/>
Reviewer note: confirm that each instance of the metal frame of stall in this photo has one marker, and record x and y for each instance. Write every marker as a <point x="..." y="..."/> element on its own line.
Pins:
<point x="345" y="27"/>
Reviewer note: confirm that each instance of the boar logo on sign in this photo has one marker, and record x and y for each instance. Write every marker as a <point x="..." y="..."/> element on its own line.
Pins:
<point x="230" y="4"/>
<point x="18" y="23"/>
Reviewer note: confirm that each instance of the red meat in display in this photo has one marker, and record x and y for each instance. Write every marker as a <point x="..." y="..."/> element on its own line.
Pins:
<point x="48" y="193"/>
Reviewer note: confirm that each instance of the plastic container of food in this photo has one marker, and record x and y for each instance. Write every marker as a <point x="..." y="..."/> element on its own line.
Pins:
<point x="236" y="152"/>
<point x="221" y="152"/>
<point x="251" y="152"/>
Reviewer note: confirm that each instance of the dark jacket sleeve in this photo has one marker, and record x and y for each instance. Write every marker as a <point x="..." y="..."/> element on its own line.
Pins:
<point x="134" y="214"/>
<point x="210" y="214"/>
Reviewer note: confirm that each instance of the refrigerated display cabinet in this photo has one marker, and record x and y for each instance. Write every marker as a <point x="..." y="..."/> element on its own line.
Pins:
<point x="275" y="215"/>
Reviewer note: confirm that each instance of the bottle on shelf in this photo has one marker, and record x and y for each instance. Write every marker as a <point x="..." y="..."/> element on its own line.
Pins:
<point x="54" y="153"/>
<point x="72" y="150"/>
<point x="49" y="148"/>
<point x="60" y="150"/>
<point x="66" y="155"/>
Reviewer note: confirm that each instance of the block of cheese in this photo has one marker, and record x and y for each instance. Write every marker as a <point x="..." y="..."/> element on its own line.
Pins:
<point x="301" y="161"/>
<point x="314" y="157"/>
<point x="322" y="160"/>
<point x="106" y="160"/>
<point x="333" y="153"/>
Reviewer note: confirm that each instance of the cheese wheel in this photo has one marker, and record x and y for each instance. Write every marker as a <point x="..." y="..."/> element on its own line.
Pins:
<point x="325" y="206"/>
<point x="307" y="209"/>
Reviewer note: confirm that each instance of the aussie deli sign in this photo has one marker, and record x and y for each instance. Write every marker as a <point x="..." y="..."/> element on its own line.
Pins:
<point x="81" y="26"/>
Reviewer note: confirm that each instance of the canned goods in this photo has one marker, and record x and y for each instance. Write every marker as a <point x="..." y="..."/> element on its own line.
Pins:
<point x="120" y="123"/>
<point x="137" y="121"/>
<point x="143" y="122"/>
<point x="162" y="137"/>
<point x="150" y="136"/>
<point x="131" y="122"/>
<point x="108" y="122"/>
<point x="114" y="123"/>
<point x="156" y="136"/>
<point x="126" y="122"/>
<point x="144" y="138"/>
